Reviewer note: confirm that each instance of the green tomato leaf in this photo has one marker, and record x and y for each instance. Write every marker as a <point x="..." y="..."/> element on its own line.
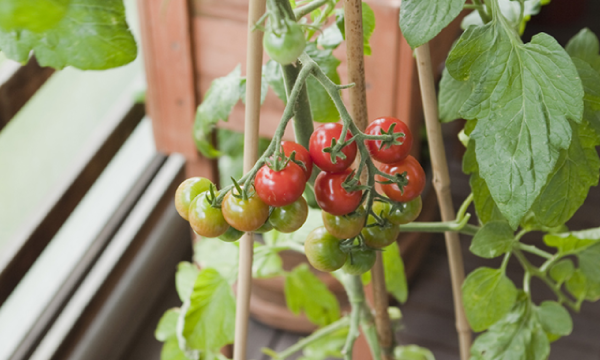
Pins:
<point x="518" y="335"/>
<point x="321" y="106"/>
<point x="219" y="255"/>
<point x="488" y="295"/>
<point x="586" y="47"/>
<point x="590" y="78"/>
<point x="562" y="271"/>
<point x="171" y="351"/>
<point x="576" y="170"/>
<point x="511" y="11"/>
<point x="554" y="318"/>
<point x="185" y="278"/>
<point x="167" y="325"/>
<point x="422" y="20"/>
<point x="412" y="352"/>
<point x="593" y="290"/>
<point x="577" y="284"/>
<point x="452" y="96"/>
<point x="573" y="242"/>
<point x="90" y="35"/>
<point x="210" y="319"/>
<point x="518" y="136"/>
<point x="34" y="15"/>
<point x="330" y="38"/>
<point x="218" y="102"/>
<point x="589" y="262"/>
<point x="395" y="278"/>
<point x="493" y="239"/>
<point x="305" y="292"/>
<point x="274" y="77"/>
<point x="326" y="347"/>
<point x="267" y="263"/>
<point x="264" y="87"/>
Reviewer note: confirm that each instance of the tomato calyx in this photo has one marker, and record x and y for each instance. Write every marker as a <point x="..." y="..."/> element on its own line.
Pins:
<point x="352" y="183"/>
<point x="211" y="197"/>
<point x="399" y="180"/>
<point x="335" y="149"/>
<point x="242" y="192"/>
<point x="390" y="138"/>
<point x="279" y="161"/>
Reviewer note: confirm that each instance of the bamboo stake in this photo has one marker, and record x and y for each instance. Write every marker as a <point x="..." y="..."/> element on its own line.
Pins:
<point x="441" y="183"/>
<point x="254" y="54"/>
<point x="358" y="103"/>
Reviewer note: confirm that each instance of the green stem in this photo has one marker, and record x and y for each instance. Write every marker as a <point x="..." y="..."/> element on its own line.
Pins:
<point x="482" y="11"/>
<point x="303" y="122"/>
<point x="440" y="227"/>
<point x="367" y="324"/>
<point x="307" y="9"/>
<point x="534" y="250"/>
<point x="322" y="332"/>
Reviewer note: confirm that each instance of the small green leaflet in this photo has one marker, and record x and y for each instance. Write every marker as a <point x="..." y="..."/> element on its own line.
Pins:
<point x="219" y="255"/>
<point x="34" y="15"/>
<point x="589" y="262"/>
<point x="171" y="351"/>
<point x="305" y="292"/>
<point x="586" y="47"/>
<point x="327" y="347"/>
<point x="488" y="295"/>
<point x="210" y="318"/>
<point x="562" y="271"/>
<point x="412" y="352"/>
<point x="453" y="94"/>
<point x="395" y="278"/>
<point x="518" y="335"/>
<point x="422" y="20"/>
<point x="330" y="39"/>
<point x="167" y="325"/>
<point x="518" y="136"/>
<point x="91" y="35"/>
<point x="274" y="77"/>
<point x="573" y="242"/>
<point x="555" y="319"/>
<point x="185" y="278"/>
<point x="577" y="285"/>
<point x="322" y="107"/>
<point x="267" y="263"/>
<point x="493" y="239"/>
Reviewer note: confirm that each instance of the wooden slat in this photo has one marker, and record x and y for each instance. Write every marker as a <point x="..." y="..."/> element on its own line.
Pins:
<point x="171" y="97"/>
<point x="76" y="276"/>
<point x="27" y="245"/>
<point x="109" y="307"/>
<point x="17" y="86"/>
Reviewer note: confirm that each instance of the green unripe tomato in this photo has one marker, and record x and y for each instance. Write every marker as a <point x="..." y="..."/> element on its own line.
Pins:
<point x="232" y="234"/>
<point x="289" y="218"/>
<point x="266" y="227"/>
<point x="286" y="46"/>
<point x="378" y="237"/>
<point x="206" y="220"/>
<point x="359" y="261"/>
<point x="187" y="191"/>
<point x="345" y="226"/>
<point x="323" y="250"/>
<point x="406" y="212"/>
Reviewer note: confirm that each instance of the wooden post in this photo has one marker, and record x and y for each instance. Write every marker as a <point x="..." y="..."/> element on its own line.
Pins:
<point x="441" y="183"/>
<point x="254" y="54"/>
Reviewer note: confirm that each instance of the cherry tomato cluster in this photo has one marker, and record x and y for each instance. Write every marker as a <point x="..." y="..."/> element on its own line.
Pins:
<point x="351" y="234"/>
<point x="274" y="202"/>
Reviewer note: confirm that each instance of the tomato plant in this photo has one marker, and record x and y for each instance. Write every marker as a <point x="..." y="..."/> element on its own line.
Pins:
<point x="414" y="175"/>
<point x="326" y="136"/>
<point x="393" y="150"/>
<point x="379" y="236"/>
<point x="323" y="250"/>
<point x="244" y="214"/>
<point x="399" y="213"/>
<point x="331" y="195"/>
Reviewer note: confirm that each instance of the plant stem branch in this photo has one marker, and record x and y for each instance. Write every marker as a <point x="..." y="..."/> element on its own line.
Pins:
<point x="356" y="297"/>
<point x="307" y="9"/>
<point x="440" y="227"/>
<point x="534" y="250"/>
<point x="483" y="14"/>
<point x="441" y="183"/>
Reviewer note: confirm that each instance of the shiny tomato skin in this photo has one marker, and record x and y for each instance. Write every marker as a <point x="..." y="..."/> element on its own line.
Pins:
<point x="231" y="235"/>
<point x="323" y="250"/>
<point x="301" y="155"/>
<point x="321" y="139"/>
<point x="331" y="195"/>
<point x="289" y="218"/>
<point x="244" y="215"/>
<point x="345" y="226"/>
<point x="394" y="153"/>
<point x="378" y="237"/>
<point x="187" y="191"/>
<point x="280" y="188"/>
<point x="414" y="174"/>
<point x="285" y="47"/>
<point x="404" y="214"/>
<point x="206" y="220"/>
<point x="359" y="261"/>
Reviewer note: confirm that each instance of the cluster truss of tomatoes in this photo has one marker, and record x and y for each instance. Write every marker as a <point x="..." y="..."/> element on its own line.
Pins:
<point x="351" y="234"/>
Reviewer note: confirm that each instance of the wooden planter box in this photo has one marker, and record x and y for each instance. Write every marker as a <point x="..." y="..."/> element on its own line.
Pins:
<point x="187" y="45"/>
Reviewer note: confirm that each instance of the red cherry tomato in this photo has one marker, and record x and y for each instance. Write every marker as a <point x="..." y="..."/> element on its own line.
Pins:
<point x="388" y="154"/>
<point x="331" y="195"/>
<point x="414" y="174"/>
<point x="301" y="155"/>
<point x="280" y="188"/>
<point x="321" y="139"/>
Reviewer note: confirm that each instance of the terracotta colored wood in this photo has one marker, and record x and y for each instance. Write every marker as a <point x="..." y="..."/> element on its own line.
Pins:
<point x="171" y="97"/>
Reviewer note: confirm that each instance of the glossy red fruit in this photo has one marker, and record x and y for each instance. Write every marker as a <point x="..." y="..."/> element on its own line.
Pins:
<point x="321" y="139"/>
<point x="301" y="155"/>
<point x="280" y="188"/>
<point x="414" y="174"/>
<point x="244" y="215"/>
<point x="206" y="220"/>
<point x="388" y="154"/>
<point x="331" y="195"/>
